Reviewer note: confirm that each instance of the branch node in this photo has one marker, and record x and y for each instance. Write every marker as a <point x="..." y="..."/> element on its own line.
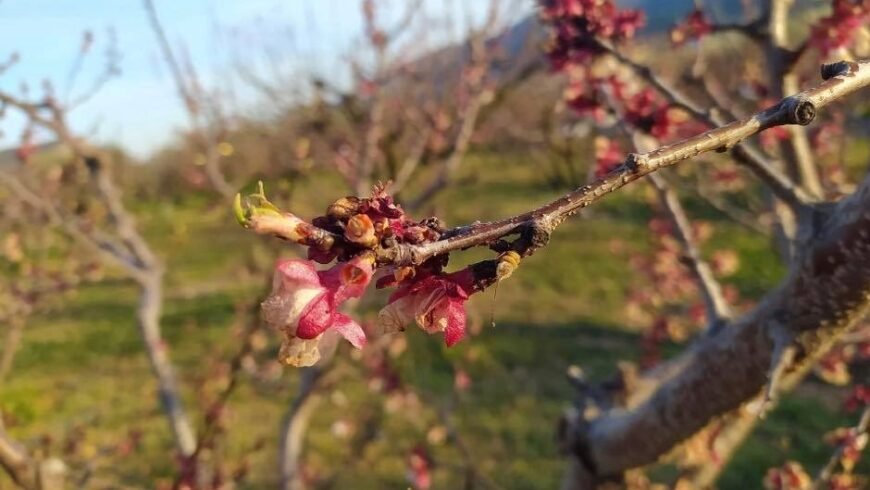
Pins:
<point x="634" y="161"/>
<point x="782" y="358"/>
<point x="831" y="70"/>
<point x="804" y="112"/>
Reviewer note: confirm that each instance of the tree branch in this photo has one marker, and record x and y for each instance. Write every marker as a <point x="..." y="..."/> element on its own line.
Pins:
<point x="796" y="149"/>
<point x="27" y="472"/>
<point x="717" y="307"/>
<point x="827" y="471"/>
<point x="15" y="461"/>
<point x="192" y="98"/>
<point x="745" y="154"/>
<point x="295" y="427"/>
<point x="796" y="109"/>
<point x="106" y="247"/>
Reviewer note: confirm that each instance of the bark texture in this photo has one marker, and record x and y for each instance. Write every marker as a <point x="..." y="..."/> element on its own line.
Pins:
<point x="825" y="294"/>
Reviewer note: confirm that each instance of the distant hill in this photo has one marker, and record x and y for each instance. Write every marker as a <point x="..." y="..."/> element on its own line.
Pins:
<point x="661" y="15"/>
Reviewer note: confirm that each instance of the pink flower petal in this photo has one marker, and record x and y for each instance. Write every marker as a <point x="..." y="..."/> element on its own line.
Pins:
<point x="317" y="317"/>
<point x="348" y="279"/>
<point x="350" y="330"/>
<point x="296" y="272"/>
<point x="397" y="315"/>
<point x="437" y="302"/>
<point x="453" y="312"/>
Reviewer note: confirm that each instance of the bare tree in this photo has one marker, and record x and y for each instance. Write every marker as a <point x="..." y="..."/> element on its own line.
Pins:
<point x="206" y="117"/>
<point x="118" y="244"/>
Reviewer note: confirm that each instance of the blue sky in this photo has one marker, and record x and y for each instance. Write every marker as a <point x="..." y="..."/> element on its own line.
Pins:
<point x="139" y="109"/>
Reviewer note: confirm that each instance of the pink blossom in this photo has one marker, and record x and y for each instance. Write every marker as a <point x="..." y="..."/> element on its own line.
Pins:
<point x="859" y="397"/>
<point x="435" y="302"/>
<point x="608" y="156"/>
<point x="840" y="29"/>
<point x="789" y="476"/>
<point x="419" y="466"/>
<point x="304" y="305"/>
<point x="694" y="26"/>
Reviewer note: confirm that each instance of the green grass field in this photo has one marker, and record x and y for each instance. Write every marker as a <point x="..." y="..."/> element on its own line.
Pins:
<point x="81" y="364"/>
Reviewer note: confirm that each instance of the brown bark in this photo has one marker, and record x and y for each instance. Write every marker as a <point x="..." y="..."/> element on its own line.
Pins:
<point x="826" y="293"/>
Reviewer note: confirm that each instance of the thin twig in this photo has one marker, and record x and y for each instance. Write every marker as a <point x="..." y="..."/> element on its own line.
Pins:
<point x="827" y="471"/>
<point x="717" y="307"/>
<point x="747" y="155"/>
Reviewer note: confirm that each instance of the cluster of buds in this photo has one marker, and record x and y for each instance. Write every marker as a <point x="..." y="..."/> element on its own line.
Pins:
<point x="646" y="111"/>
<point x="584" y="30"/>
<point x="376" y="36"/>
<point x="789" y="476"/>
<point x="608" y="156"/>
<point x="834" y="366"/>
<point x="579" y="25"/>
<point x="850" y="442"/>
<point x="846" y="481"/>
<point x="578" y="30"/>
<point x="858" y="398"/>
<point x="840" y="29"/>
<point x="304" y="302"/>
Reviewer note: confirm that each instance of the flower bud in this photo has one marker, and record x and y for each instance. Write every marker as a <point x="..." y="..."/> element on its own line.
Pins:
<point x="343" y="208"/>
<point x="507" y="263"/>
<point x="361" y="230"/>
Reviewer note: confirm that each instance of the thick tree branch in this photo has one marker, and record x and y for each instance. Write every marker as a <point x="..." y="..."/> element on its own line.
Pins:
<point x="826" y="294"/>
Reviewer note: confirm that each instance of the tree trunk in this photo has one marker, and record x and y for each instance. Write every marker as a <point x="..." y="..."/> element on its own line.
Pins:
<point x="148" y="318"/>
<point x="295" y="427"/>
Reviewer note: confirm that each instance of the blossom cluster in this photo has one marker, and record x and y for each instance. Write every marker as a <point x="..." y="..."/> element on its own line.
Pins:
<point x="666" y="298"/>
<point x="580" y="33"/>
<point x="850" y="442"/>
<point x="579" y="25"/>
<point x="840" y="29"/>
<point x="304" y="303"/>
<point x="789" y="476"/>
<point x="578" y="29"/>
